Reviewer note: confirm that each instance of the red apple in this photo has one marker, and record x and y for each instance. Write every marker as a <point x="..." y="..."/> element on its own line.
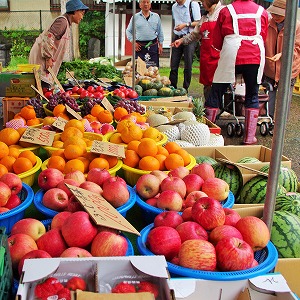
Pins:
<point x="115" y="191"/>
<point x="61" y="185"/>
<point x="208" y="212"/>
<point x="105" y="128"/>
<point x="76" y="175"/>
<point x="168" y="218"/>
<point x="49" y="178"/>
<point x="13" y="181"/>
<point x="5" y="193"/>
<point x="29" y="226"/>
<point x="152" y="201"/>
<point x="55" y="199"/>
<point x="147" y="186"/>
<point x="216" y="188"/>
<point x="59" y="219"/>
<point x="193" y="182"/>
<point x="92" y="187"/>
<point x="187" y="214"/>
<point x="205" y="170"/>
<point x="179" y="172"/>
<point x="160" y="174"/>
<point x="175" y="184"/>
<point x="234" y="254"/>
<point x="4" y="209"/>
<point x="19" y="244"/>
<point x="52" y="242"/>
<point x="98" y="175"/>
<point x="74" y="205"/>
<point x="198" y="255"/>
<point x="254" y="231"/>
<point x="78" y="229"/>
<point x="107" y="243"/>
<point x="254" y="263"/>
<point x="222" y="231"/>
<point x="76" y="252"/>
<point x="191" y="230"/>
<point x="13" y="201"/>
<point x="164" y="240"/>
<point x="76" y="283"/>
<point x="231" y="216"/>
<point x="169" y="200"/>
<point x="192" y="197"/>
<point x="32" y="254"/>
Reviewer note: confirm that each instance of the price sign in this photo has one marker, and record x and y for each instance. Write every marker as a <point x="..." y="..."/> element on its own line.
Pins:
<point x="38" y="136"/>
<point x="108" y="148"/>
<point x="141" y="67"/>
<point x="73" y="112"/>
<point x="60" y="123"/>
<point x="101" y="211"/>
<point x="107" y="105"/>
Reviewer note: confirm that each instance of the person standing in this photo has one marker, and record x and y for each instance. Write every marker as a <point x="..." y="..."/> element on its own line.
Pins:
<point x="149" y="34"/>
<point x="203" y="32"/>
<point x="186" y="14"/>
<point x="273" y="47"/>
<point x="239" y="35"/>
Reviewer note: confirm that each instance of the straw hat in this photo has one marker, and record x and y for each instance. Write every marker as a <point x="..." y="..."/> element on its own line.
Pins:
<point x="278" y="7"/>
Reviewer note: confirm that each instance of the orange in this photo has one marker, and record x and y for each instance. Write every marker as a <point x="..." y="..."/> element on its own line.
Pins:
<point x="4" y="150"/>
<point x="172" y="147"/>
<point x="73" y="165"/>
<point x="100" y="163"/>
<point x="9" y="136"/>
<point x="86" y="163"/>
<point x="152" y="133"/>
<point x="27" y="112"/>
<point x="133" y="145"/>
<point x="59" y="109"/>
<point x="56" y="162"/>
<point x="3" y="170"/>
<point x="112" y="160"/>
<point x="88" y="142"/>
<point x="90" y="118"/>
<point x="8" y="162"/>
<point x="105" y="116"/>
<point x="71" y="132"/>
<point x="30" y="155"/>
<point x="64" y="116"/>
<point x="185" y="155"/>
<point x="75" y="141"/>
<point x="161" y="158"/>
<point x="21" y="165"/>
<point x="32" y="122"/>
<point x="21" y="130"/>
<point x="96" y="109"/>
<point x="131" y="133"/>
<point x="139" y="117"/>
<point x="73" y="151"/>
<point x="116" y="138"/>
<point x="13" y="151"/>
<point x="149" y="163"/>
<point x="120" y="112"/>
<point x="58" y="144"/>
<point x="18" y="116"/>
<point x="173" y="161"/>
<point x="58" y="152"/>
<point x="147" y="147"/>
<point x="90" y="155"/>
<point x="124" y="124"/>
<point x="75" y="123"/>
<point x="131" y="158"/>
<point x="162" y="150"/>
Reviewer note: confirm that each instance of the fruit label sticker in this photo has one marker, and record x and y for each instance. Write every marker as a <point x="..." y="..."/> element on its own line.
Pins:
<point x="38" y="136"/>
<point x="108" y="148"/>
<point x="60" y="123"/>
<point x="73" y="112"/>
<point x="101" y="211"/>
<point x="107" y="105"/>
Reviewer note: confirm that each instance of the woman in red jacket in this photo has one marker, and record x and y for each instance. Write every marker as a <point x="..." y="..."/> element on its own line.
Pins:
<point x="239" y="35"/>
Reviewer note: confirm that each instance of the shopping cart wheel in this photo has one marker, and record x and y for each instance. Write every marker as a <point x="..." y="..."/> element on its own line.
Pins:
<point x="264" y="128"/>
<point x="239" y="129"/>
<point x="230" y="129"/>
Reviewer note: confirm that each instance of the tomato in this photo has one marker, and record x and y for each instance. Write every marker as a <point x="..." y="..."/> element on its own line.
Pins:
<point x="100" y="89"/>
<point x="68" y="93"/>
<point x="48" y="94"/>
<point x="98" y="95"/>
<point x="119" y="93"/>
<point x="75" y="89"/>
<point x="84" y="94"/>
<point x="90" y="89"/>
<point x="80" y="90"/>
<point x="132" y="94"/>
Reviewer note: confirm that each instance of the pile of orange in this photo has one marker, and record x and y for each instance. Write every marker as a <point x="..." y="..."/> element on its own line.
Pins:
<point x="121" y="114"/>
<point x="28" y="115"/>
<point x="99" y="113"/>
<point x="146" y="155"/>
<point x="11" y="136"/>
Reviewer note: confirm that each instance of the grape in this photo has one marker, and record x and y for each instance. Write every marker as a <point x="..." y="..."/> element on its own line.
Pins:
<point x="38" y="107"/>
<point x="131" y="106"/>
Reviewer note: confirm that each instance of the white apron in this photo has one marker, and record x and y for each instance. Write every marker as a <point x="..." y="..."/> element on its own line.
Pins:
<point x="225" y="72"/>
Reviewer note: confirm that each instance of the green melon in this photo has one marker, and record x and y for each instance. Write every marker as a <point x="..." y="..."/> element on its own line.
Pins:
<point x="207" y="159"/>
<point x="146" y="84"/>
<point x="248" y="160"/>
<point x="285" y="234"/>
<point x="231" y="174"/>
<point x="165" y="91"/>
<point x="157" y="84"/>
<point x="150" y="92"/>
<point x="287" y="178"/>
<point x="289" y="202"/>
<point x="254" y="190"/>
<point x="138" y="89"/>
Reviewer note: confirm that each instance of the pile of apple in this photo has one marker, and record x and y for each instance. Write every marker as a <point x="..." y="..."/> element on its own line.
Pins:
<point x="213" y="239"/>
<point x="180" y="188"/>
<point x="59" y="198"/>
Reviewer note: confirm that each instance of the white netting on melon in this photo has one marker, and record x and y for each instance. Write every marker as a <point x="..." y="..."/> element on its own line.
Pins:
<point x="184" y="144"/>
<point x="197" y="134"/>
<point x="171" y="131"/>
<point x="216" y="140"/>
<point x="157" y="119"/>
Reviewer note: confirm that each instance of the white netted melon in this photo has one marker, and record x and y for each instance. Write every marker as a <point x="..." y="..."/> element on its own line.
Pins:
<point x="171" y="131"/>
<point x="157" y="119"/>
<point x="216" y="140"/>
<point x="197" y="134"/>
<point x="186" y="115"/>
<point x="184" y="144"/>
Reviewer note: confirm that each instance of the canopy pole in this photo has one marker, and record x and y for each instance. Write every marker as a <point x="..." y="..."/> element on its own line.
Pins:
<point x="133" y="42"/>
<point x="281" y="110"/>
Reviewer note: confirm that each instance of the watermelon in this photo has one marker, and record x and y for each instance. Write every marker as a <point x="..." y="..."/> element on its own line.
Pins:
<point x="287" y="178"/>
<point x="202" y="158"/>
<point x="231" y="174"/>
<point x="285" y="234"/>
<point x="248" y="160"/>
<point x="289" y="202"/>
<point x="254" y="190"/>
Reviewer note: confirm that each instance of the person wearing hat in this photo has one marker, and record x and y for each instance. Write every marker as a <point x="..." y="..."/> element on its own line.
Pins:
<point x="52" y="44"/>
<point x="273" y="46"/>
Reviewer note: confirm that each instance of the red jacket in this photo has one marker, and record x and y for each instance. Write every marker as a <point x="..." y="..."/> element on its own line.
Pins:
<point x="247" y="53"/>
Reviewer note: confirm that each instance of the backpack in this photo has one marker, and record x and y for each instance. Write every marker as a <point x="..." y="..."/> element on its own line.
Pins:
<point x="202" y="10"/>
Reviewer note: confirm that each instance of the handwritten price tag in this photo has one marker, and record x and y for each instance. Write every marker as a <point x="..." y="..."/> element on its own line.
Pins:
<point x="108" y="148"/>
<point x="73" y="112"/>
<point x="38" y="136"/>
<point x="107" y="105"/>
<point x="60" y="123"/>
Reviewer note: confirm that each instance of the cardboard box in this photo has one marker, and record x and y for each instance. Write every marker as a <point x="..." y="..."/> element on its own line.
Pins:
<point x="12" y="106"/>
<point x="122" y="62"/>
<point x="13" y="84"/>
<point x="101" y="273"/>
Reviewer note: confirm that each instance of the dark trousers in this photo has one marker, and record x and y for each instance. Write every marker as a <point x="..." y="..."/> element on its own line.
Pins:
<point x="249" y="73"/>
<point x="188" y="53"/>
<point x="149" y="54"/>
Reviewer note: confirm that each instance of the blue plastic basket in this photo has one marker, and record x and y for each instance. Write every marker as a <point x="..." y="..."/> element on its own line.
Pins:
<point x="9" y="218"/>
<point x="50" y="213"/>
<point x="266" y="258"/>
<point x="150" y="212"/>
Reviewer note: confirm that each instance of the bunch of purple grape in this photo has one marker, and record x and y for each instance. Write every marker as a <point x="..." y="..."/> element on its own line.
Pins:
<point x="62" y="98"/>
<point x="38" y="107"/>
<point x="131" y="106"/>
<point x="88" y="105"/>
